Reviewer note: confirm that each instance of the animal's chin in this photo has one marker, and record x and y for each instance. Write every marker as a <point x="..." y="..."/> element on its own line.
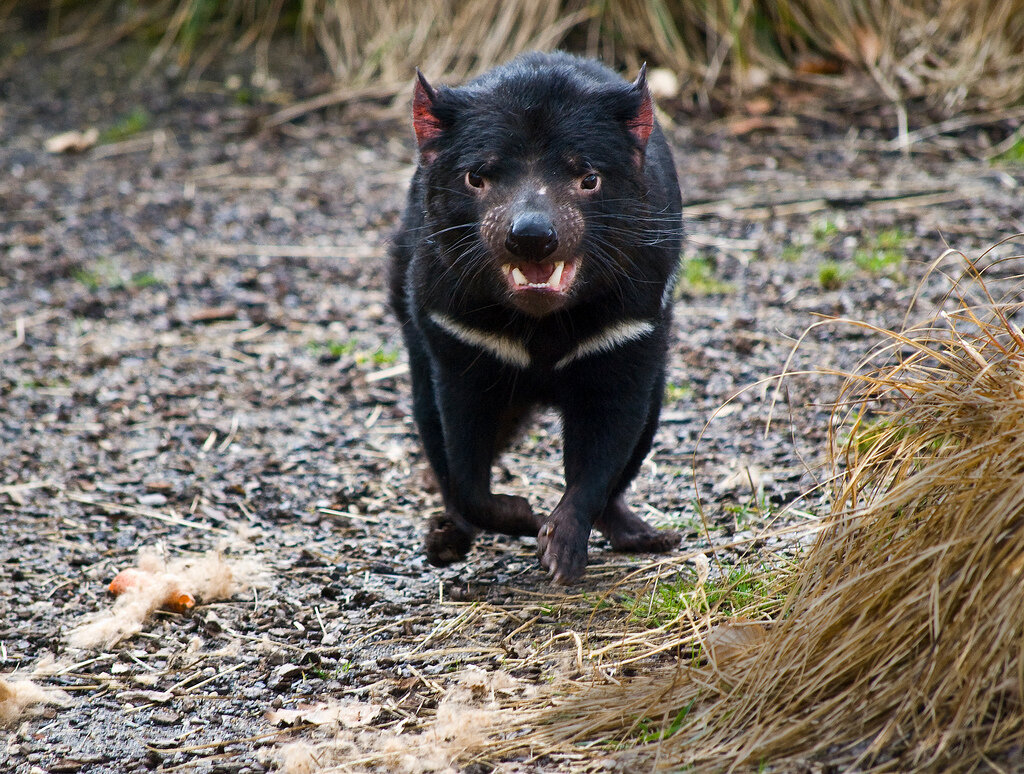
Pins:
<point x="539" y="288"/>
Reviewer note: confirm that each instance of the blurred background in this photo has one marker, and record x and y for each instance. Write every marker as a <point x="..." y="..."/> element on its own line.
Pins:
<point x="952" y="54"/>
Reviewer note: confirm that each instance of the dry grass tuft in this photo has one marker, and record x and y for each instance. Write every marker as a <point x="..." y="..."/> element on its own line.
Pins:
<point x="952" y="51"/>
<point x="367" y="42"/>
<point x="899" y="645"/>
<point x="955" y="54"/>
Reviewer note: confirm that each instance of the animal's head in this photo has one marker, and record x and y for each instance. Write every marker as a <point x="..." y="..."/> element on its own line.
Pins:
<point x="534" y="178"/>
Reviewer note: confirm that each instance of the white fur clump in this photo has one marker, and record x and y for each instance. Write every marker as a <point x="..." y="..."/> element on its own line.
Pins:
<point x="18" y="697"/>
<point x="207" y="578"/>
<point x="464" y="717"/>
<point x="299" y="758"/>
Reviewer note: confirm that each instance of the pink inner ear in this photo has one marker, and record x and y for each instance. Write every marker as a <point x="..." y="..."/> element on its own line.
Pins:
<point x="424" y="122"/>
<point x="642" y="126"/>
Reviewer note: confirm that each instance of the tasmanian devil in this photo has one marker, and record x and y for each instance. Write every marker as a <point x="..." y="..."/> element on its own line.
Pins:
<point x="534" y="266"/>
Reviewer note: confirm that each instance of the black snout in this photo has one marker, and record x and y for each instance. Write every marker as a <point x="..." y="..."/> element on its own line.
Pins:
<point x="532" y="236"/>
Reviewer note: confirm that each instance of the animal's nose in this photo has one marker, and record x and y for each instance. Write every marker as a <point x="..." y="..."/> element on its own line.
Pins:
<point x="532" y="236"/>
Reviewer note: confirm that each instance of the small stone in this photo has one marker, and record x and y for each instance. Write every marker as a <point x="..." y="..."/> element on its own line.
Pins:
<point x="165" y="717"/>
<point x="145" y="697"/>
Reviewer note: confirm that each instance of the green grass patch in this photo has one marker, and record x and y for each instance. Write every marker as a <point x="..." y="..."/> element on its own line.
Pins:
<point x="144" y="279"/>
<point x="792" y="253"/>
<point x="689" y="523"/>
<point x="383" y="356"/>
<point x="332" y="348"/>
<point x="337" y="349"/>
<point x="138" y="120"/>
<point x="883" y="255"/>
<point x="101" y="274"/>
<point x="698" y="277"/>
<point x="745" y="515"/>
<point x="744" y="589"/>
<point x="869" y="433"/>
<point x="1012" y="155"/>
<point x="824" y="231"/>
<point x="677" y="392"/>
<point x="648" y="730"/>
<point x="54" y="383"/>
<point x="832" y="275"/>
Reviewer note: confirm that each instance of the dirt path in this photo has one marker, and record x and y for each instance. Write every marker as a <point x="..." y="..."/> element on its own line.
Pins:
<point x="196" y="354"/>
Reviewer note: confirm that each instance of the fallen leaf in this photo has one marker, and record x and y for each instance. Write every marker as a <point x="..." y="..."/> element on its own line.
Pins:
<point x="758" y="106"/>
<point x="703" y="565"/>
<point x="818" y="65"/>
<point x="728" y="640"/>
<point x="741" y="126"/>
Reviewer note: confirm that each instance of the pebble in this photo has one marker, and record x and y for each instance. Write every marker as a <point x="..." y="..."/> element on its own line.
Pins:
<point x="165" y="717"/>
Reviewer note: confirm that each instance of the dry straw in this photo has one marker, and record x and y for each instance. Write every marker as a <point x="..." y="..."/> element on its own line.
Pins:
<point x="899" y="645"/>
<point x="956" y="54"/>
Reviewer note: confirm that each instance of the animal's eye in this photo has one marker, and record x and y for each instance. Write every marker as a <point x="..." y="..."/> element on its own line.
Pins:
<point x="590" y="182"/>
<point x="475" y="180"/>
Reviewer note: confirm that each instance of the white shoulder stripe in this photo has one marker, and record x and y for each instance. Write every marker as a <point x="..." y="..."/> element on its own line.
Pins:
<point x="506" y="349"/>
<point x="611" y="337"/>
<point x="668" y="294"/>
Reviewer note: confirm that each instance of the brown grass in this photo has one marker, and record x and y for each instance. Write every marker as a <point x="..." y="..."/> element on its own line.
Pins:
<point x="952" y="53"/>
<point x="899" y="645"/>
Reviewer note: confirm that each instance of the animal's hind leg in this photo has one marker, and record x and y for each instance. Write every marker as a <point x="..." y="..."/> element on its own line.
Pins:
<point x="629" y="533"/>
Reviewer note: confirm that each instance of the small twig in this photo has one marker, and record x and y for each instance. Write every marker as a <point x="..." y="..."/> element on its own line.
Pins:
<point x="388" y="373"/>
<point x="149" y="512"/>
<point x="226" y="742"/>
<point x="224" y="250"/>
<point x="190" y="688"/>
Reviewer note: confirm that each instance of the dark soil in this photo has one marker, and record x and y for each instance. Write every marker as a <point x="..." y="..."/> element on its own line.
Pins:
<point x="194" y="333"/>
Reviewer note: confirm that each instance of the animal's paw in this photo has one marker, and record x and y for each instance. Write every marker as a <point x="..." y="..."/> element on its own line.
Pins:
<point x="629" y="533"/>
<point x="448" y="539"/>
<point x="562" y="547"/>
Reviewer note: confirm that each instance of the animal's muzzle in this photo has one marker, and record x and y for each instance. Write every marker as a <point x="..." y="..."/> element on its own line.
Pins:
<point x="532" y="236"/>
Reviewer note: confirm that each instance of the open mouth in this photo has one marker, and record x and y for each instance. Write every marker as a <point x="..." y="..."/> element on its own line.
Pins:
<point x="544" y="277"/>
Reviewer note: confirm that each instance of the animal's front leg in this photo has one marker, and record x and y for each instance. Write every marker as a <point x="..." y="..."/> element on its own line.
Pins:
<point x="601" y="433"/>
<point x="471" y="419"/>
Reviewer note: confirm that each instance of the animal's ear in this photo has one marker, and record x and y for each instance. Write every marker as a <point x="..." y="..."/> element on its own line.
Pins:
<point x="424" y="122"/>
<point x="641" y="123"/>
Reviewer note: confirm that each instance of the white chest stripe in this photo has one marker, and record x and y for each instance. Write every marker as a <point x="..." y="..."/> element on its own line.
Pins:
<point x="502" y="347"/>
<point x="608" y="339"/>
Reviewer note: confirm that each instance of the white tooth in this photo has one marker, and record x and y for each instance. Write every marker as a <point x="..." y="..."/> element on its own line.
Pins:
<point x="519" y="277"/>
<point x="556" y="275"/>
<point x="506" y="268"/>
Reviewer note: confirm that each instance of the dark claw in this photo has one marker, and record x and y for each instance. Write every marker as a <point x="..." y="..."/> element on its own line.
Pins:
<point x="562" y="547"/>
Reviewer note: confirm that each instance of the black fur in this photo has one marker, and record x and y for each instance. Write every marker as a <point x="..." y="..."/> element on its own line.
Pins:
<point x="528" y="140"/>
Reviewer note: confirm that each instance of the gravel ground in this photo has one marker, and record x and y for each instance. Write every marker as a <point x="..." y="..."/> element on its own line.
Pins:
<point x="196" y="355"/>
